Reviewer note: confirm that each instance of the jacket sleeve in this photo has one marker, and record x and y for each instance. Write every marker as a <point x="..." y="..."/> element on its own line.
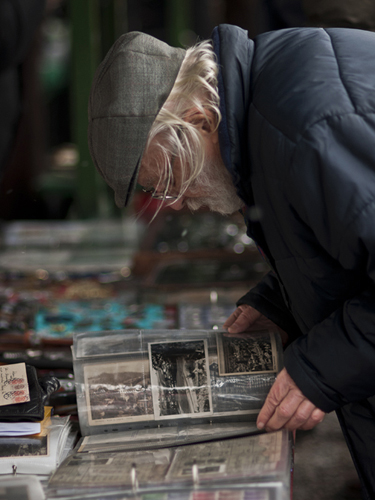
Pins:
<point x="335" y="196"/>
<point x="267" y="298"/>
<point x="335" y="363"/>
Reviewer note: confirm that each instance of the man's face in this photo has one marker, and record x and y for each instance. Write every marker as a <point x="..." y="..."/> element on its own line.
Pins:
<point x="213" y="187"/>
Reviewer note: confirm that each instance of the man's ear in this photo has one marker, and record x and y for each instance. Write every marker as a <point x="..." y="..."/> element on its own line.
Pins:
<point x="203" y="121"/>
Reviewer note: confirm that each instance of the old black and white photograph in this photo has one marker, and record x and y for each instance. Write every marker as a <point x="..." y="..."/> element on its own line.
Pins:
<point x="92" y="346"/>
<point x="246" y="353"/>
<point x="28" y="446"/>
<point x="240" y="393"/>
<point x="118" y="392"/>
<point x="113" y="469"/>
<point x="266" y="455"/>
<point x="180" y="379"/>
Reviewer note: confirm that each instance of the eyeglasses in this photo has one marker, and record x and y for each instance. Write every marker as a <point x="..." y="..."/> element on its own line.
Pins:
<point x="159" y="196"/>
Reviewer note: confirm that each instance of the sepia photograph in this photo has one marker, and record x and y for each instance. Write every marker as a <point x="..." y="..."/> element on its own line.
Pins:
<point x="180" y="379"/>
<point x="246" y="353"/>
<point x="118" y="392"/>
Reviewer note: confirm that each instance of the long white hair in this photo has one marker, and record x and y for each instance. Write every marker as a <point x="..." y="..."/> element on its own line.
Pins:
<point x="195" y="88"/>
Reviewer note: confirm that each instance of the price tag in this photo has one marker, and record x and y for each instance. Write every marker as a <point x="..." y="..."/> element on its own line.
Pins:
<point x="14" y="387"/>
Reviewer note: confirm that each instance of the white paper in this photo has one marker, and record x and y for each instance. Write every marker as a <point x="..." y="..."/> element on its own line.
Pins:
<point x="19" y="428"/>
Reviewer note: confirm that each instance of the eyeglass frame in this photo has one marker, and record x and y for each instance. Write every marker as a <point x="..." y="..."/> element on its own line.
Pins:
<point x="157" y="196"/>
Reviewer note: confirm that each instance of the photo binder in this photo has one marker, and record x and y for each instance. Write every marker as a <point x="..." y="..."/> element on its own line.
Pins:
<point x="136" y="379"/>
<point x="172" y="413"/>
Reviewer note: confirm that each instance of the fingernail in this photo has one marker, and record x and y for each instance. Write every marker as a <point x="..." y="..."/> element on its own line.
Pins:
<point x="260" y="425"/>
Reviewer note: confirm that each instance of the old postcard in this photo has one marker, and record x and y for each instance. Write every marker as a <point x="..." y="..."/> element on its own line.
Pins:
<point x="265" y="457"/>
<point x="246" y="353"/>
<point x="180" y="379"/>
<point x="30" y="446"/>
<point x="109" y="345"/>
<point x="14" y="387"/>
<point x="118" y="392"/>
<point x="113" y="469"/>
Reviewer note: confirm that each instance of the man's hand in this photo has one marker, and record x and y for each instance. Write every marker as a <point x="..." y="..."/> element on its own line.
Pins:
<point x="246" y="317"/>
<point x="287" y="408"/>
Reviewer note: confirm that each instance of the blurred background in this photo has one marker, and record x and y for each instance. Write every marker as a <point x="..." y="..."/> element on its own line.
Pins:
<point x="55" y="46"/>
<point x="64" y="243"/>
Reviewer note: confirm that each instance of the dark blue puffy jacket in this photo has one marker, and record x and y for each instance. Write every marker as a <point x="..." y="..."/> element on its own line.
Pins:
<point x="298" y="136"/>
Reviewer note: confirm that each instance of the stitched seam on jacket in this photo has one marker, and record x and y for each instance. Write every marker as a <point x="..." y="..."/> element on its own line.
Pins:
<point x="325" y="118"/>
<point x="339" y="71"/>
<point x="360" y="212"/>
<point x="306" y="131"/>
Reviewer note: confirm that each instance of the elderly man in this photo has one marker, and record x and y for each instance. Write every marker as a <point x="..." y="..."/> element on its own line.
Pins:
<point x="283" y="129"/>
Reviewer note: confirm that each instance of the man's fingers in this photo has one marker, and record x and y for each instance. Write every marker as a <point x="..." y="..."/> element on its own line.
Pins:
<point x="301" y="415"/>
<point x="268" y="410"/>
<point x="284" y="411"/>
<point x="316" y="417"/>
<point x="232" y="318"/>
<point x="294" y="412"/>
<point x="241" y="324"/>
<point x="242" y="318"/>
<point x="278" y="392"/>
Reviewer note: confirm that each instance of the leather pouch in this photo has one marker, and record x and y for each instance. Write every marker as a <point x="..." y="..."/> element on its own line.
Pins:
<point x="33" y="410"/>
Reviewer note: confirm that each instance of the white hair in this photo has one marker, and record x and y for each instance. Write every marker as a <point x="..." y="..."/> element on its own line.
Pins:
<point x="195" y="88"/>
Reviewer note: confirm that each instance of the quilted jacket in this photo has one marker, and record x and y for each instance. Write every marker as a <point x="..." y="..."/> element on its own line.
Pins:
<point x="298" y="136"/>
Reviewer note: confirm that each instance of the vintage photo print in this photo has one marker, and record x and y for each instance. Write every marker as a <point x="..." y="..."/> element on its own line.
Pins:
<point x="246" y="353"/>
<point x="25" y="446"/>
<point x="180" y="379"/>
<point x="118" y="392"/>
<point x="93" y="346"/>
<point x="108" y="345"/>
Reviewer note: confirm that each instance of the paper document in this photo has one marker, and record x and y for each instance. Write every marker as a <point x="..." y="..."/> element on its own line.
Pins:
<point x="19" y="428"/>
<point x="14" y="387"/>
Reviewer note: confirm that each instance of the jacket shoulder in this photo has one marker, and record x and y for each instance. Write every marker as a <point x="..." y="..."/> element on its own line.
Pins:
<point x="303" y="75"/>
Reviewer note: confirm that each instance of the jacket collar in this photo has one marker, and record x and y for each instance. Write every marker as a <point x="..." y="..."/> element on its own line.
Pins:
<point x="234" y="52"/>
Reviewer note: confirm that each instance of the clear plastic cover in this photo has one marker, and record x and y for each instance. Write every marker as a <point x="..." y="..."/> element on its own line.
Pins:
<point x="163" y="437"/>
<point x="259" y="462"/>
<point x="39" y="454"/>
<point x="21" y="487"/>
<point x="260" y="492"/>
<point x="149" y="378"/>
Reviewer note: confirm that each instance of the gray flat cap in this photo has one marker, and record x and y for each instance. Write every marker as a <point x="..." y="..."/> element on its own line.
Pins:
<point x="129" y="88"/>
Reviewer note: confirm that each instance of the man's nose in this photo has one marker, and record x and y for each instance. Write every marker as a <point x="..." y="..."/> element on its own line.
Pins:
<point x="177" y="204"/>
